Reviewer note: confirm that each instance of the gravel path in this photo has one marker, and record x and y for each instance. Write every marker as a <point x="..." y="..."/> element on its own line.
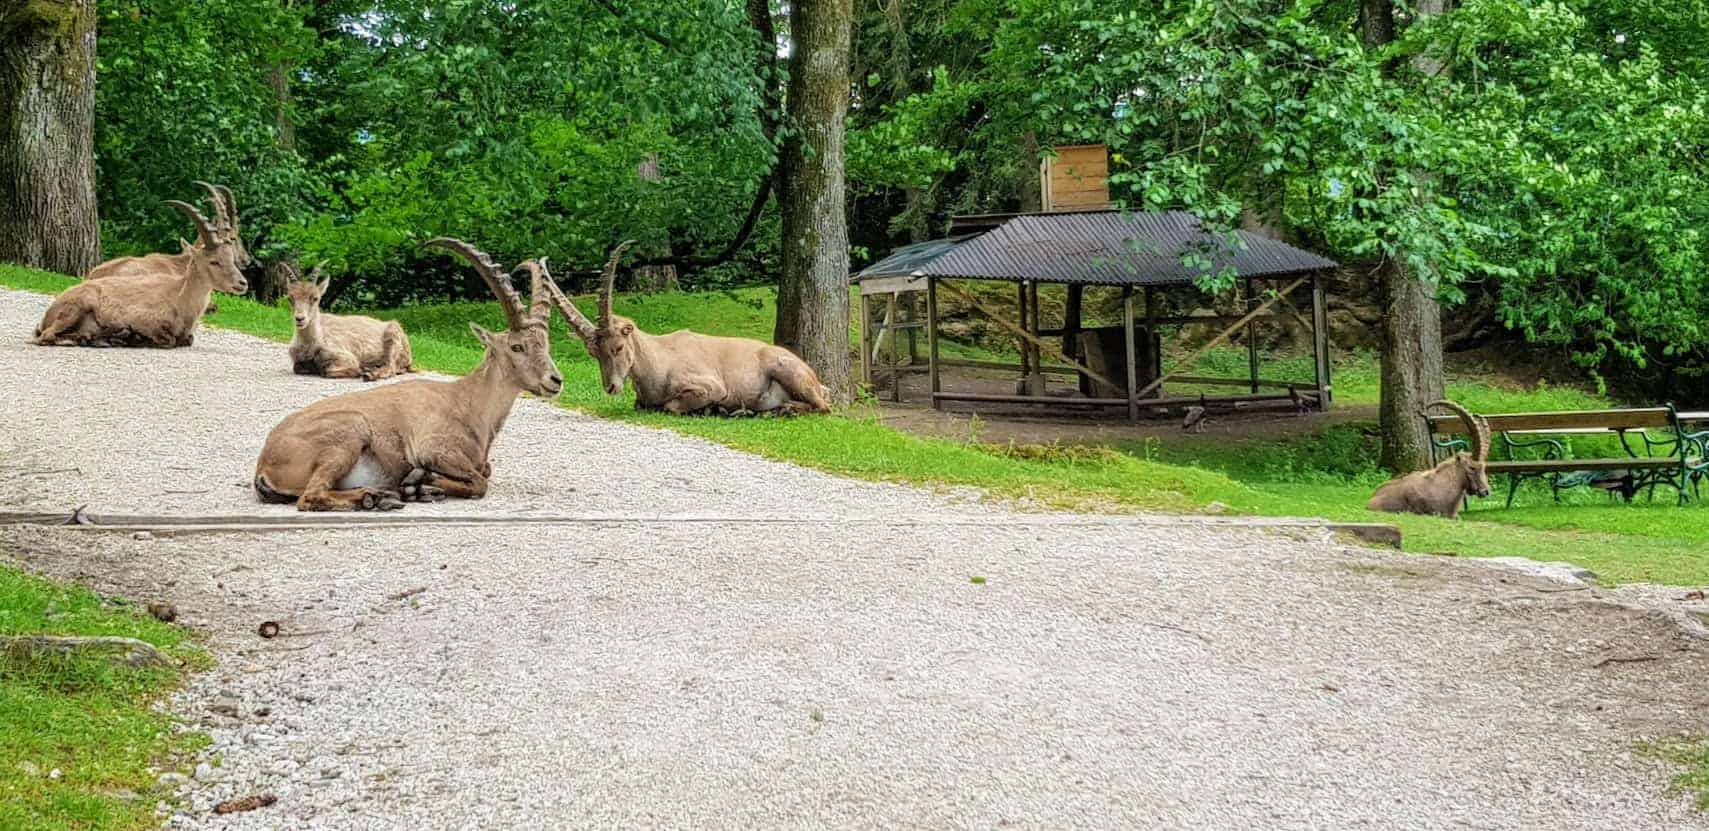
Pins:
<point x="821" y="673"/>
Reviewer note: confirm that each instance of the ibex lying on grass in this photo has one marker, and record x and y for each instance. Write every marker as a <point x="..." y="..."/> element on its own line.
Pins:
<point x="417" y="440"/>
<point x="1440" y="490"/>
<point x="341" y="346"/>
<point x="150" y="301"/>
<point x="225" y="216"/>
<point x="687" y="372"/>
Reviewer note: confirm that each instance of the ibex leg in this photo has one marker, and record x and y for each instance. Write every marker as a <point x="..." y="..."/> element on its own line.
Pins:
<point x="694" y="397"/>
<point x="457" y="476"/>
<point x="803" y="385"/>
<point x="332" y="465"/>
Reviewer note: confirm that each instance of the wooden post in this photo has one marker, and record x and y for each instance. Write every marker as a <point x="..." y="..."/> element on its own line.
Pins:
<point x="1035" y="370"/>
<point x="1132" y="358"/>
<point x="1152" y="341"/>
<point x="932" y="338"/>
<point x="891" y="313"/>
<point x="1252" y="336"/>
<point x="1071" y="321"/>
<point x="1320" y="338"/>
<point x="866" y="351"/>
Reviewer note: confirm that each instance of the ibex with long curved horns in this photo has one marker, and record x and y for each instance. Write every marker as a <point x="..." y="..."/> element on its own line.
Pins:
<point x="341" y="346"/>
<point x="416" y="440"/>
<point x="687" y="372"/>
<point x="151" y="301"/>
<point x="225" y="215"/>
<point x="1440" y="490"/>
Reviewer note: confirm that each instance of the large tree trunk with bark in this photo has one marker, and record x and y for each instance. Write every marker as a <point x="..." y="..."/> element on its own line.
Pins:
<point x="1412" y="317"/>
<point x="47" y="135"/>
<point x="813" y="292"/>
<point x="1411" y="366"/>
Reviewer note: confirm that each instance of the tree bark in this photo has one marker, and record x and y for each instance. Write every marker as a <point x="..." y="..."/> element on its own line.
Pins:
<point x="813" y="291"/>
<point x="1411" y="366"/>
<point x="47" y="135"/>
<point x="1412" y="316"/>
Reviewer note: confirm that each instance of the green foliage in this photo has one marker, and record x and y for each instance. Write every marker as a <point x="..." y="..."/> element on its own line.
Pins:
<point x="412" y="119"/>
<point x="1548" y="154"/>
<point x="88" y="718"/>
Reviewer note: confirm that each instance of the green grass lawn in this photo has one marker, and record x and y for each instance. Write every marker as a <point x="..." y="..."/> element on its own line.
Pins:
<point x="78" y="733"/>
<point x="1328" y="474"/>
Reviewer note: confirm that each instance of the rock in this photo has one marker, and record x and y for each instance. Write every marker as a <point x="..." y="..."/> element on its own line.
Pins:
<point x="29" y="768"/>
<point x="206" y="772"/>
<point x="1565" y="574"/>
<point x="1216" y="508"/>
<point x="163" y="611"/>
<point x="54" y="774"/>
<point x="173" y="779"/>
<point x="142" y="536"/>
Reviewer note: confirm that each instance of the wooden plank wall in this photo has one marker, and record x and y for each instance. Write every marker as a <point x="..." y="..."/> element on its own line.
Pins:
<point x="1077" y="179"/>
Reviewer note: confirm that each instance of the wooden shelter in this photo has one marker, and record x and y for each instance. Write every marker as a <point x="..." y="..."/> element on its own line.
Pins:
<point x="1141" y="255"/>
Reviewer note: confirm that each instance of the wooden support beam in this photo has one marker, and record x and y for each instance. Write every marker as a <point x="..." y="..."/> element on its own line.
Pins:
<point x="1071" y="316"/>
<point x="1155" y="347"/>
<point x="1004" y="365"/>
<point x="1035" y="379"/>
<point x="1005" y="323"/>
<point x="932" y="338"/>
<point x="1320" y="339"/>
<point x="868" y="350"/>
<point x="1194" y="358"/>
<point x="1132" y="354"/>
<point x="1252" y="335"/>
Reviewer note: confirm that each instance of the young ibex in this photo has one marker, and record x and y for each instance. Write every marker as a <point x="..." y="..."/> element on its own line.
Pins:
<point x="225" y="215"/>
<point x="341" y="346"/>
<point x="687" y="372"/>
<point x="1440" y="490"/>
<point x="149" y="301"/>
<point x="416" y="440"/>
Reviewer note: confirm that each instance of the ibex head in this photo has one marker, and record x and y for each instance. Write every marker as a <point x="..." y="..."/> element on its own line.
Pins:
<point x="1471" y="465"/>
<point x="522" y="352"/>
<point x="218" y="254"/>
<point x="611" y="340"/>
<point x="305" y="294"/>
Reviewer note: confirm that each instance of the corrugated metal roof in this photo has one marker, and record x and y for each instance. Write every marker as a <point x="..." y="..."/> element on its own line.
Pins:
<point x="1112" y="248"/>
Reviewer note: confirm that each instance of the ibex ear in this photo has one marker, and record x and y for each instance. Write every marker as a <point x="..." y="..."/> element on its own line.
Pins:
<point x="627" y="328"/>
<point x="485" y="336"/>
<point x="320" y="287"/>
<point x="183" y="246"/>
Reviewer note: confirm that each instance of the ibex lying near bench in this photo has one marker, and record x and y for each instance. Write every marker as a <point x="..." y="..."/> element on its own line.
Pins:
<point x="687" y="372"/>
<point x="341" y="346"/>
<point x="1440" y="490"/>
<point x="225" y="216"/>
<point x="420" y="440"/>
<point x="148" y="301"/>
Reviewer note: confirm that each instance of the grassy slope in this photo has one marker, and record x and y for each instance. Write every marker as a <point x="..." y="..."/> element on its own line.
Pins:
<point x="1312" y="476"/>
<point x="86" y="717"/>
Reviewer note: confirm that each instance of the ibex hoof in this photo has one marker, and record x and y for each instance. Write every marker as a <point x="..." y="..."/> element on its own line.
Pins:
<point x="414" y="477"/>
<point x="381" y="501"/>
<point x="427" y="493"/>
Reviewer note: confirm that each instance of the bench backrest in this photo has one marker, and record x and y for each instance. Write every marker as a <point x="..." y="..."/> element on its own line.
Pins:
<point x="1582" y="419"/>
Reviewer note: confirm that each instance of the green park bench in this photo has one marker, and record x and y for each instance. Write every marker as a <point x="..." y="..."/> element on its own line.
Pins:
<point x="1656" y="448"/>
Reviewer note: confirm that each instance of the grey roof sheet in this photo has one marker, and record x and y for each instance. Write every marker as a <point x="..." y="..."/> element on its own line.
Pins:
<point x="1113" y="248"/>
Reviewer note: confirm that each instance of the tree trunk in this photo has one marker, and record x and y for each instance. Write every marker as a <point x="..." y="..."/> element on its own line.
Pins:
<point x="813" y="291"/>
<point x="47" y="135"/>
<point x="1412" y="317"/>
<point x="1411" y="366"/>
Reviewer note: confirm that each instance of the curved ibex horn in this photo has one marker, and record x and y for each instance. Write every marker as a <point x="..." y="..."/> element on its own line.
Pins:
<point x="314" y="273"/>
<point x="204" y="230"/>
<point x="1476" y="428"/>
<point x="608" y="280"/>
<point x="224" y="215"/>
<point x="579" y="323"/>
<point x="539" y="300"/>
<point x="230" y="206"/>
<point x="489" y="271"/>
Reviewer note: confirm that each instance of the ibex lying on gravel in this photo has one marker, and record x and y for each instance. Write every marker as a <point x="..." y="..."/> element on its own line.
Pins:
<point x="341" y="346"/>
<point x="1440" y="490"/>
<point x="687" y="372"/>
<point x="148" y="301"/>
<point x="417" y="440"/>
<point x="225" y="215"/>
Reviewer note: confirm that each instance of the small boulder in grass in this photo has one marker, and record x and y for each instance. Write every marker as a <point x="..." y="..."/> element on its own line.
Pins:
<point x="164" y="612"/>
<point x="245" y="803"/>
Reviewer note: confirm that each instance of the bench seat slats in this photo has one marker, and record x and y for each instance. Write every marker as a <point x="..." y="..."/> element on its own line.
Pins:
<point x="1564" y="465"/>
<point x="1628" y="419"/>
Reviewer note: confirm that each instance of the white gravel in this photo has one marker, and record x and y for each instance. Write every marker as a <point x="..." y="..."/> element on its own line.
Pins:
<point x="820" y="673"/>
